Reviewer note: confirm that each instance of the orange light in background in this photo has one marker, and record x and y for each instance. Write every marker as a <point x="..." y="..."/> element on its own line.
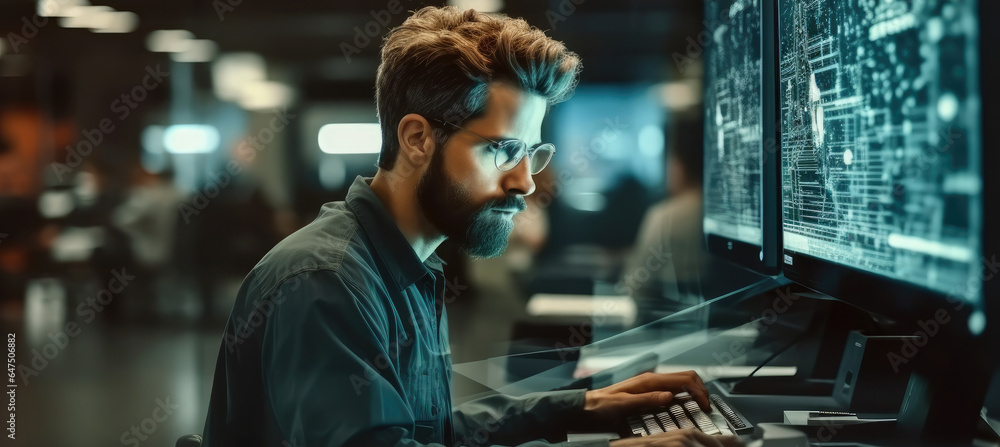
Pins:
<point x="22" y="165"/>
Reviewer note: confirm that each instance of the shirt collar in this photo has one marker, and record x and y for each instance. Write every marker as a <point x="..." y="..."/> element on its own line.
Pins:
<point x="390" y="244"/>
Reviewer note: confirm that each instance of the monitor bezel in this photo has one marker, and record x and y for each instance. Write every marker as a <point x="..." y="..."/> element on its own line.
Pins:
<point x="763" y="258"/>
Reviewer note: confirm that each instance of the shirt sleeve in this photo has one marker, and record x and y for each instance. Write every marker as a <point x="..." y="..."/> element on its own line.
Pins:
<point x="509" y="420"/>
<point x="318" y="349"/>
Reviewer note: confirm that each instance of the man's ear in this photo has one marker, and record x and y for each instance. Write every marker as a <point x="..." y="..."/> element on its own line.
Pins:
<point x="416" y="139"/>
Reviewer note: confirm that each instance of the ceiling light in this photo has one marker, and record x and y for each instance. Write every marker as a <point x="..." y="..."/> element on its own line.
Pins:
<point x="116" y="22"/>
<point x="59" y="8"/>
<point x="190" y="139"/>
<point x="231" y="72"/>
<point x="198" y="50"/>
<point x="168" y="40"/>
<point x="350" y="138"/>
<point x="263" y="95"/>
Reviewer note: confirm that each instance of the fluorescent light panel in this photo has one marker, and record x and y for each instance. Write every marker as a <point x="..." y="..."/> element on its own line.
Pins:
<point x="190" y="139"/>
<point x="350" y="138"/>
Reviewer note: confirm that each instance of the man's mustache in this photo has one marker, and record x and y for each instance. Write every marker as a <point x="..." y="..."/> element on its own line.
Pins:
<point x="515" y="203"/>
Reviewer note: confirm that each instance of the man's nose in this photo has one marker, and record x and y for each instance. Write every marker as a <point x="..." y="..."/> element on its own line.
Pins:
<point x="518" y="180"/>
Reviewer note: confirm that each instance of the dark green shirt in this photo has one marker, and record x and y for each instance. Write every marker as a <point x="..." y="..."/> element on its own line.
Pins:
<point x="339" y="337"/>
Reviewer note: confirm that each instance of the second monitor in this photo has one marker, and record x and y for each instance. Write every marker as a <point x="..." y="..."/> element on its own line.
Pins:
<point x="741" y="218"/>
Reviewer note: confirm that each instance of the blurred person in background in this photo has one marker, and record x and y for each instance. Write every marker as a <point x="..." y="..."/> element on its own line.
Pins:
<point x="98" y="192"/>
<point x="231" y="233"/>
<point x="148" y="217"/>
<point x="669" y="262"/>
<point x="339" y="335"/>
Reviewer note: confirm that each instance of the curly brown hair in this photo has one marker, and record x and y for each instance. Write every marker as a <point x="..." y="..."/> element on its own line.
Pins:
<point x="440" y="61"/>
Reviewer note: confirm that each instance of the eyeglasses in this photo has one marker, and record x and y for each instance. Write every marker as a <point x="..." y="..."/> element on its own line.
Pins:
<point x="510" y="151"/>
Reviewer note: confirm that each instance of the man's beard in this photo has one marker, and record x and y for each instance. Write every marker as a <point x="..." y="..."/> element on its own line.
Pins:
<point x="481" y="232"/>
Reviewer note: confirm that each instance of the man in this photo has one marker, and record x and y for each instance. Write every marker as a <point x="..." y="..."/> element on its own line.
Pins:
<point x="339" y="335"/>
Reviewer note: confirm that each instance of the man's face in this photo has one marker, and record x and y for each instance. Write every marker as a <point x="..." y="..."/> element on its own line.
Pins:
<point x="463" y="193"/>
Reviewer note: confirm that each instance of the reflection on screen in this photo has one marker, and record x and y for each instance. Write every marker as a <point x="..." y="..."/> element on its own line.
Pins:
<point x="880" y="137"/>
<point x="733" y="147"/>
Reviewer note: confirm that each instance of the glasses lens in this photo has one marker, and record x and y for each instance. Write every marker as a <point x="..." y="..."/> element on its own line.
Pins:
<point x="543" y="154"/>
<point x="509" y="154"/>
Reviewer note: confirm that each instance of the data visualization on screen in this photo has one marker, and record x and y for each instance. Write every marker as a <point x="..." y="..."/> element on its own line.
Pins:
<point x="881" y="140"/>
<point x="733" y="119"/>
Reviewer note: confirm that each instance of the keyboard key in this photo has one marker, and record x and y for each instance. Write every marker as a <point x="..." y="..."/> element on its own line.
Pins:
<point x="666" y="421"/>
<point x="728" y="412"/>
<point x="701" y="419"/>
<point x="637" y="427"/>
<point x="683" y="421"/>
<point x="651" y="426"/>
<point x="686" y="413"/>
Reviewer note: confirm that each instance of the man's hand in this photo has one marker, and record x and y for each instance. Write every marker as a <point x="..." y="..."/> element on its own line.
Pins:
<point x="644" y="392"/>
<point x="688" y="437"/>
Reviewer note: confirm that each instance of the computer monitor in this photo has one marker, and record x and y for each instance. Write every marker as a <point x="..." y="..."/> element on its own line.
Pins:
<point x="887" y="193"/>
<point x="741" y="215"/>
<point x="881" y="152"/>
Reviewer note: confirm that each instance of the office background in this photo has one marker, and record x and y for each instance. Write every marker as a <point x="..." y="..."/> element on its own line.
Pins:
<point x="151" y="152"/>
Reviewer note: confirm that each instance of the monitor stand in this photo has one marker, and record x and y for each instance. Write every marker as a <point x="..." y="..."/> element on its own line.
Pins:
<point x="811" y="334"/>
<point x="944" y="398"/>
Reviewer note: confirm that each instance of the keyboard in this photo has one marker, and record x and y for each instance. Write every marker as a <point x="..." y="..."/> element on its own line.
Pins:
<point x="684" y="412"/>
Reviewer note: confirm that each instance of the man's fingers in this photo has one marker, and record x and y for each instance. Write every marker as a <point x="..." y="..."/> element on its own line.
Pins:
<point x="707" y="440"/>
<point x="693" y="437"/>
<point x="689" y="437"/>
<point x="680" y="381"/>
<point x="700" y="395"/>
<point x="698" y="390"/>
<point x="730" y="441"/>
<point x="697" y="378"/>
<point x="658" y="399"/>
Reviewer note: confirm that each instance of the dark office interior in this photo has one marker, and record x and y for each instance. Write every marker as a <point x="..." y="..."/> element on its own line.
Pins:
<point x="795" y="199"/>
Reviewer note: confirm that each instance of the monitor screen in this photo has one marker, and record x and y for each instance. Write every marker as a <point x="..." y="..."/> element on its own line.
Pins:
<point x="880" y="139"/>
<point x="735" y="136"/>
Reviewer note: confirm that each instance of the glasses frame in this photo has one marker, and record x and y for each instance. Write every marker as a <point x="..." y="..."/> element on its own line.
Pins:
<point x="526" y="151"/>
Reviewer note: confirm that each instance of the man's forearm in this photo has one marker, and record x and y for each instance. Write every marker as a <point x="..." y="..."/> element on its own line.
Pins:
<point x="503" y="419"/>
